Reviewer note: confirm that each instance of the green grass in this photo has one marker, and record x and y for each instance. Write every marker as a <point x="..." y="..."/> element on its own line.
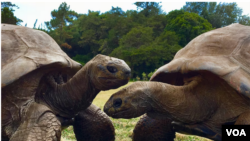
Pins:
<point x="123" y="127"/>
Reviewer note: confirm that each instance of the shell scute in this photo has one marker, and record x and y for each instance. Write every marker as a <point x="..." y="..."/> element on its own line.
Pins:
<point x="25" y="50"/>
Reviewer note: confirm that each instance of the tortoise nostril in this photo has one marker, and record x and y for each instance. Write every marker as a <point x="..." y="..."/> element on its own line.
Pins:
<point x="105" y="109"/>
<point x="117" y="103"/>
<point x="112" y="69"/>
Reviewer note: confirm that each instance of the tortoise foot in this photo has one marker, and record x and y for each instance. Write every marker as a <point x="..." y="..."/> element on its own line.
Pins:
<point x="93" y="124"/>
<point x="149" y="129"/>
<point x="39" y="124"/>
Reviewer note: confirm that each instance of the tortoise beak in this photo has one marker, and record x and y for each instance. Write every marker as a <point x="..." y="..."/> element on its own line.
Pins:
<point x="124" y="74"/>
<point x="108" y="109"/>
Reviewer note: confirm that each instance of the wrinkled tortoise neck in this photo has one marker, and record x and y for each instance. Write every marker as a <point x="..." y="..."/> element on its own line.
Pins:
<point x="82" y="83"/>
<point x="76" y="94"/>
<point x="81" y="88"/>
<point x="164" y="99"/>
<point x="172" y="101"/>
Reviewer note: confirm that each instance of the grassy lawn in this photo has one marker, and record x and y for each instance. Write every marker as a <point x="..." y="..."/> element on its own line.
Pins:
<point x="123" y="127"/>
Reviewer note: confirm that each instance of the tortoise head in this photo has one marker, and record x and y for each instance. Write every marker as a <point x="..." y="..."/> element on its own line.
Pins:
<point x="130" y="102"/>
<point x="108" y="72"/>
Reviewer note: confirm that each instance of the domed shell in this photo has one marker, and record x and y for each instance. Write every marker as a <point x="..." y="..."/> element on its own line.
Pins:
<point x="224" y="52"/>
<point x="25" y="49"/>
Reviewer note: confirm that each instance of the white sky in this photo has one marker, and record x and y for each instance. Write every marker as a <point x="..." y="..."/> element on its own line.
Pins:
<point x="29" y="10"/>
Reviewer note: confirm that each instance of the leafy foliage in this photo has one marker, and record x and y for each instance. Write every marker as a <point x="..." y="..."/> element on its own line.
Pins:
<point x="59" y="25"/>
<point x="83" y="59"/>
<point x="144" y="54"/>
<point x="245" y="20"/>
<point x="187" y="25"/>
<point x="149" y="9"/>
<point x="146" y="38"/>
<point x="7" y="15"/>
<point x="137" y="37"/>
<point x="218" y="15"/>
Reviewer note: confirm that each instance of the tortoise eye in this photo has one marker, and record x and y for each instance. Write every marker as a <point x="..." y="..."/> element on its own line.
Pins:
<point x="112" y="69"/>
<point x="117" y="103"/>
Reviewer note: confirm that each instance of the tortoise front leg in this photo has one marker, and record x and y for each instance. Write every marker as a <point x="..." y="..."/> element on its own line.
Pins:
<point x="149" y="129"/>
<point x="38" y="124"/>
<point x="93" y="124"/>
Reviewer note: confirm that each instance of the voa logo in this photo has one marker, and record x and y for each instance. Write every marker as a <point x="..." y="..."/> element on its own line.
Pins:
<point x="236" y="132"/>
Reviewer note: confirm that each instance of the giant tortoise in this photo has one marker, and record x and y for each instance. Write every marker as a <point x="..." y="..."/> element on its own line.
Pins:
<point x="43" y="90"/>
<point x="205" y="86"/>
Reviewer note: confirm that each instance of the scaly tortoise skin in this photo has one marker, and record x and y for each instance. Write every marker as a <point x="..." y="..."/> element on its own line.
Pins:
<point x="206" y="85"/>
<point x="95" y="120"/>
<point x="43" y="90"/>
<point x="149" y="129"/>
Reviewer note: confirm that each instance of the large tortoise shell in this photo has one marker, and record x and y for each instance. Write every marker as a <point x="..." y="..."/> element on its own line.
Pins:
<point x="25" y="49"/>
<point x="225" y="52"/>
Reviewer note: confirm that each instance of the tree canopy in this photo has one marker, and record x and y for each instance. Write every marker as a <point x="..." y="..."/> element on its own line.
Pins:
<point x="146" y="38"/>
<point x="7" y="15"/>
<point x="187" y="25"/>
<point x="218" y="15"/>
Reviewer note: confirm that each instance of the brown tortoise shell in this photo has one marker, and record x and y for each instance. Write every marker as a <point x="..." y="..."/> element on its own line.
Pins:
<point x="225" y="52"/>
<point x="25" y="50"/>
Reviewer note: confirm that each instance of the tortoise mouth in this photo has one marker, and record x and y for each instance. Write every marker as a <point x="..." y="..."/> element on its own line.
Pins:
<point x="112" y="83"/>
<point x="122" y="114"/>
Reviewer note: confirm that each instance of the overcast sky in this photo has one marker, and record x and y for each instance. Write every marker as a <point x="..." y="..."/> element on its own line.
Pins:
<point x="29" y="10"/>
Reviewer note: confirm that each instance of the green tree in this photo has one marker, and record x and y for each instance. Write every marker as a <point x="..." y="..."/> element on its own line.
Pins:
<point x="145" y="38"/>
<point x="245" y="20"/>
<point x="144" y="76"/>
<point x="186" y="25"/>
<point x="117" y="11"/>
<point x="83" y="59"/>
<point x="151" y="73"/>
<point x="91" y="32"/>
<point x="34" y="27"/>
<point x="59" y="25"/>
<point x="143" y="53"/>
<point x="7" y="15"/>
<point x="218" y="15"/>
<point x="158" y="23"/>
<point x="8" y="4"/>
<point x="137" y="37"/>
<point x="150" y="14"/>
<point x="115" y="25"/>
<point x="149" y="8"/>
